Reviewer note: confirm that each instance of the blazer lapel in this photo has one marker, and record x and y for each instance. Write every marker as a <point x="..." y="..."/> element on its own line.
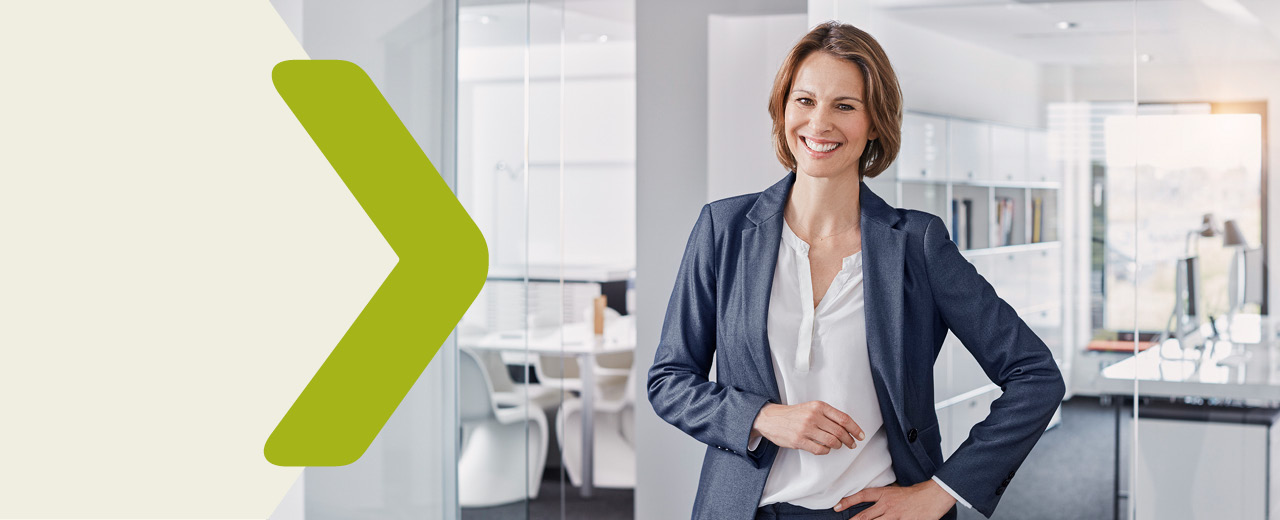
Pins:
<point x="884" y="253"/>
<point x="757" y="262"/>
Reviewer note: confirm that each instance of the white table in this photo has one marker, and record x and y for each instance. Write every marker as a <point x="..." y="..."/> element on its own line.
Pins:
<point x="572" y="341"/>
<point x="1246" y="369"/>
<point x="1236" y="378"/>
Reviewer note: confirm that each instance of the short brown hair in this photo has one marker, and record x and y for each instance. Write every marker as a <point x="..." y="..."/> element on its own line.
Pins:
<point x="883" y="96"/>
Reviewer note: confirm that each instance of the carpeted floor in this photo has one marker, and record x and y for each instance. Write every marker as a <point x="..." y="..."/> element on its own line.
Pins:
<point x="606" y="504"/>
<point x="1068" y="476"/>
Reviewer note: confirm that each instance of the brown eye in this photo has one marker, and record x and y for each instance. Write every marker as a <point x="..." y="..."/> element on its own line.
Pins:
<point x="804" y="101"/>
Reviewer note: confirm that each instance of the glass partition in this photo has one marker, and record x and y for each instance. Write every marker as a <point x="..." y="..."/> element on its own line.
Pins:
<point x="408" y="50"/>
<point x="504" y="431"/>
<point x="1198" y="154"/>
<point x="546" y="133"/>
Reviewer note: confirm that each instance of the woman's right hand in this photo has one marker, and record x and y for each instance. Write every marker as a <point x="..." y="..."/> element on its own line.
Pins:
<point x="815" y="427"/>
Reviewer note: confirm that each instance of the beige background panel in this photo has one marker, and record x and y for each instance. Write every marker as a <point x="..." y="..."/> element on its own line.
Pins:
<point x="177" y="259"/>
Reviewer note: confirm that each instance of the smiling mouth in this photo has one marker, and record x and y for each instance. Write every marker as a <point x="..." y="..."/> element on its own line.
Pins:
<point x="817" y="147"/>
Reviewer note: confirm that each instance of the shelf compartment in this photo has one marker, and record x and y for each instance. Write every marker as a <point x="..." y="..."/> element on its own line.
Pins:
<point x="970" y="217"/>
<point x="1043" y="215"/>
<point x="1009" y="217"/>
<point x="927" y="197"/>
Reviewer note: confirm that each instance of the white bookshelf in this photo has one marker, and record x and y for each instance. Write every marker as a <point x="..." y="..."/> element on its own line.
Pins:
<point x="991" y="166"/>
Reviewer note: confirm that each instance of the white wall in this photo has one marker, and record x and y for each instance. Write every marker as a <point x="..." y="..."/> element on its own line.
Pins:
<point x="945" y="75"/>
<point x="743" y="56"/>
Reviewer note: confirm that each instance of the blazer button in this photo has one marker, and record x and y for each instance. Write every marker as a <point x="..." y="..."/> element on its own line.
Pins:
<point x="911" y="435"/>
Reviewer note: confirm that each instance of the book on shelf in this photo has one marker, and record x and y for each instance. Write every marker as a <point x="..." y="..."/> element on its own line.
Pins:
<point x="1037" y="231"/>
<point x="1008" y="221"/>
<point x="1002" y="233"/>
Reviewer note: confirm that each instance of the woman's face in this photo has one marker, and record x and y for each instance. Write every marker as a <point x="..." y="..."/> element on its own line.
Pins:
<point x="826" y="120"/>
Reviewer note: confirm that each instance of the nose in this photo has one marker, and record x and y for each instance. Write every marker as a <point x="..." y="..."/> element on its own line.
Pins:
<point x="819" y="121"/>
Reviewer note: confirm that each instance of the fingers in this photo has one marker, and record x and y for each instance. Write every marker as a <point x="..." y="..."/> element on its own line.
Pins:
<point x="870" y="513"/>
<point x="837" y="432"/>
<point x="815" y="427"/>
<point x="837" y="423"/>
<point x="813" y="447"/>
<point x="844" y="421"/>
<point x="866" y="495"/>
<point x="827" y="439"/>
<point x="850" y="501"/>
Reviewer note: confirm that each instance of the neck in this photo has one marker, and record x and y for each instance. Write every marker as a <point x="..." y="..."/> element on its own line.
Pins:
<point x="824" y="206"/>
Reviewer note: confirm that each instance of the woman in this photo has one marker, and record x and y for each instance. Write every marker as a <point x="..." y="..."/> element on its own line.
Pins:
<point x="825" y="310"/>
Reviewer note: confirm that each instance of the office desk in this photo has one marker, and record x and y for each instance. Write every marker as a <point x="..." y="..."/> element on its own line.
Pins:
<point x="574" y="342"/>
<point x="1221" y="401"/>
<point x="1245" y="370"/>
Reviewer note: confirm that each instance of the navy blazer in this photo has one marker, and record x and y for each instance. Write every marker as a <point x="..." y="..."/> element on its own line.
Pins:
<point x="917" y="286"/>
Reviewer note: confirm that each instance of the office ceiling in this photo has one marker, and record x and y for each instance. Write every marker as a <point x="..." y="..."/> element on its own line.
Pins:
<point x="1103" y="31"/>
<point x="496" y="23"/>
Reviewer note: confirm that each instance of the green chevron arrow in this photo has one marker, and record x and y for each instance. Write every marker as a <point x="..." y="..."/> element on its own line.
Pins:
<point x="443" y="262"/>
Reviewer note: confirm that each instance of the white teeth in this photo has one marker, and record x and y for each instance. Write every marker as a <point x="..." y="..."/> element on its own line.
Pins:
<point x="820" y="147"/>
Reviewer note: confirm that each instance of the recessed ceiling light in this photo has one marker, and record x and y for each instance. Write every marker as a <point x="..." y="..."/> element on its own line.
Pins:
<point x="484" y="20"/>
<point x="1145" y="58"/>
<point x="1066" y="25"/>
<point x="603" y="38"/>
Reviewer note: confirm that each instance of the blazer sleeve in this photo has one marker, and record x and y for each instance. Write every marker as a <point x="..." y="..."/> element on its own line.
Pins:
<point x="1011" y="355"/>
<point x="679" y="390"/>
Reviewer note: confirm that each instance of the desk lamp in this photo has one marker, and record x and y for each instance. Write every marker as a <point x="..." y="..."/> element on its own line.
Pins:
<point x="1208" y="229"/>
<point x="1233" y="238"/>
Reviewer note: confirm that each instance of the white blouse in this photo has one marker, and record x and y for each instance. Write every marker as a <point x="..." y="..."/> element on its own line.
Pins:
<point x="820" y="354"/>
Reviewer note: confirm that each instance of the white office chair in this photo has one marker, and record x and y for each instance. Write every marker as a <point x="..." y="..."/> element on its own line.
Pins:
<point x="507" y="392"/>
<point x="496" y="440"/>
<point x="614" y="424"/>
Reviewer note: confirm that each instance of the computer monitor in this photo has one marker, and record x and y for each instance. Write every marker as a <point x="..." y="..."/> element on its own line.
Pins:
<point x="1244" y="278"/>
<point x="1188" y="309"/>
<point x="1253" y="292"/>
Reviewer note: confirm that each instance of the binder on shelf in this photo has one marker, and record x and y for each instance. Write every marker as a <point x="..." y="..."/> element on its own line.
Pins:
<point x="955" y="222"/>
<point x="961" y="228"/>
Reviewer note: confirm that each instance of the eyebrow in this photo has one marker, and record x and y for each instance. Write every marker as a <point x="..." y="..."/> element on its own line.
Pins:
<point x="837" y="99"/>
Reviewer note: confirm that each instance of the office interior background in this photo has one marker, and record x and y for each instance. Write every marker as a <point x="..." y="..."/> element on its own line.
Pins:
<point x="1102" y="163"/>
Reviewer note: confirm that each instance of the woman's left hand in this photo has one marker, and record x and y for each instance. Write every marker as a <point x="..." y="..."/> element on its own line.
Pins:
<point x="926" y="500"/>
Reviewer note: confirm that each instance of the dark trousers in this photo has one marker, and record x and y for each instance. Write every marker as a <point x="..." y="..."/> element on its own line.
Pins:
<point x="784" y="511"/>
